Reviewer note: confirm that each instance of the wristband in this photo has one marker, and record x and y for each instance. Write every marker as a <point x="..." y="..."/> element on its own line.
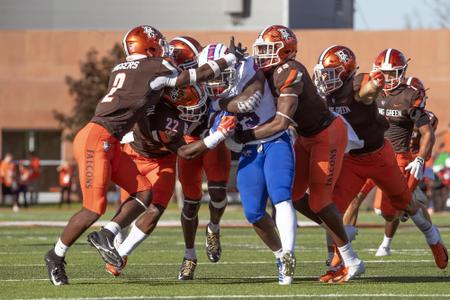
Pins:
<point x="230" y="59"/>
<point x="212" y="140"/>
<point x="172" y="81"/>
<point x="215" y="67"/>
<point x="192" y="77"/>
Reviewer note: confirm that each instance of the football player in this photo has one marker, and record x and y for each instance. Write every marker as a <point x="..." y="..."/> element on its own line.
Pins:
<point x="216" y="165"/>
<point x="319" y="149"/>
<point x="354" y="97"/>
<point x="134" y="85"/>
<point x="260" y="173"/>
<point x="403" y="106"/>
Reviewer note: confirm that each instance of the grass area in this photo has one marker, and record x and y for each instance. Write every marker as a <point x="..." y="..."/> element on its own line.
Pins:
<point x="247" y="269"/>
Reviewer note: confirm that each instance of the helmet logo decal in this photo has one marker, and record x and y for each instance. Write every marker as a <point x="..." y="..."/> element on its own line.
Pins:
<point x="149" y="31"/>
<point x="285" y="34"/>
<point x="343" y="55"/>
<point x="175" y="94"/>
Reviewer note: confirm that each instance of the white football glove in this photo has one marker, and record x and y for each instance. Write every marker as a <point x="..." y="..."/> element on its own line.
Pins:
<point x="416" y="167"/>
<point x="250" y="104"/>
<point x="163" y="81"/>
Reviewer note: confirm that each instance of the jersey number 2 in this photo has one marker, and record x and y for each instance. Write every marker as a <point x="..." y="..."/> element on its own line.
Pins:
<point x="119" y="80"/>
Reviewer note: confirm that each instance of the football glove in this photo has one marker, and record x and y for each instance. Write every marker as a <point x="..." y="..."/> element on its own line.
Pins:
<point x="416" y="167"/>
<point x="238" y="50"/>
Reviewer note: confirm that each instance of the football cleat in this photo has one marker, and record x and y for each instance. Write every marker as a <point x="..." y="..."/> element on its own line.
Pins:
<point x="347" y="273"/>
<point x="56" y="268"/>
<point x="103" y="241"/>
<point x="213" y="248"/>
<point x="114" y="271"/>
<point x="440" y="255"/>
<point x="383" y="251"/>
<point x="187" y="269"/>
<point x="330" y="274"/>
<point x="286" y="268"/>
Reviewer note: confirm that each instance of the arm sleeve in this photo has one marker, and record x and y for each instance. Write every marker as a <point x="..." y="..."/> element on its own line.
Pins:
<point x="419" y="117"/>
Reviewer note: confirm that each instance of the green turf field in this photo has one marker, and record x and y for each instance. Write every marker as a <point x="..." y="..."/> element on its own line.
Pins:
<point x="247" y="269"/>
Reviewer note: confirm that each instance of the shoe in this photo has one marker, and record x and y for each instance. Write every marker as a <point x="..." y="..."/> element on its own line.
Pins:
<point x="103" y="241"/>
<point x="114" y="271"/>
<point x="330" y="273"/>
<point x="348" y="272"/>
<point x="286" y="268"/>
<point x="213" y="248"/>
<point x="440" y="255"/>
<point x="15" y="208"/>
<point x="187" y="269"/>
<point x="383" y="251"/>
<point x="56" y="268"/>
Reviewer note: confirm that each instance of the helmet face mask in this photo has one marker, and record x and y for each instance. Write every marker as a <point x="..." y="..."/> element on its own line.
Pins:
<point x="392" y="77"/>
<point x="328" y="80"/>
<point x="221" y="86"/>
<point x="267" y="53"/>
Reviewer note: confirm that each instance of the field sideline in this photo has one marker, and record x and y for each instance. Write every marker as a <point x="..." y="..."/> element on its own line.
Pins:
<point x="247" y="269"/>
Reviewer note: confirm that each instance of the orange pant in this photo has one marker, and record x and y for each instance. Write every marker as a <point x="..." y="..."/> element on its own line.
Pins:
<point x="159" y="171"/>
<point x="100" y="160"/>
<point x="215" y="162"/>
<point x="381" y="167"/>
<point x="382" y="201"/>
<point x="318" y="162"/>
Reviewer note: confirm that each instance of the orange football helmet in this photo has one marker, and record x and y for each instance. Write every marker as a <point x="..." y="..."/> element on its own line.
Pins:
<point x="275" y="45"/>
<point x="336" y="64"/>
<point x="144" y="39"/>
<point x="418" y="85"/>
<point x="392" y="63"/>
<point x="190" y="101"/>
<point x="184" y="51"/>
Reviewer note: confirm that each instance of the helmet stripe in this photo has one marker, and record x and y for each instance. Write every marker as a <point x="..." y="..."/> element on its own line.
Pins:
<point x="388" y="56"/>
<point x="264" y="30"/>
<point x="187" y="42"/>
<point x="124" y="42"/>
<point x="324" y="52"/>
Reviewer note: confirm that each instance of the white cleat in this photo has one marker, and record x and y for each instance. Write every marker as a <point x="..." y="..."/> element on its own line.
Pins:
<point x="383" y="251"/>
<point x="356" y="270"/>
<point x="286" y="268"/>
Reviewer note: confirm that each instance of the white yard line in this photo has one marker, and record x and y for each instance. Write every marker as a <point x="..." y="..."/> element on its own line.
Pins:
<point x="265" y="296"/>
<point x="239" y="263"/>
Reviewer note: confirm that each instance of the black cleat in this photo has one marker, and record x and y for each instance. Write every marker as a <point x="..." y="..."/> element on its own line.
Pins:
<point x="213" y="248"/>
<point x="187" y="269"/>
<point x="56" y="268"/>
<point x="103" y="241"/>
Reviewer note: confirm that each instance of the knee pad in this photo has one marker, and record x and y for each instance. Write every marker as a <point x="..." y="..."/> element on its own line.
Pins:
<point x="190" y="209"/>
<point x="217" y="192"/>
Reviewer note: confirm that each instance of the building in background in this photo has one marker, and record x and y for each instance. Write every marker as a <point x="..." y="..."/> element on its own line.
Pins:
<point x="175" y="14"/>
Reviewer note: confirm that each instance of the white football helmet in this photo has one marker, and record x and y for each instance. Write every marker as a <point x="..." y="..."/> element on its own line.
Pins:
<point x="220" y="86"/>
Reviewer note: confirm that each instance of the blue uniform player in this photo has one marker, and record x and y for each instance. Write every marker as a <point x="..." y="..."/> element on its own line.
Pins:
<point x="266" y="166"/>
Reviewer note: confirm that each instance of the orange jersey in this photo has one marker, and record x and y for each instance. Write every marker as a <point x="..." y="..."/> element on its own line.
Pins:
<point x="65" y="174"/>
<point x="8" y="170"/>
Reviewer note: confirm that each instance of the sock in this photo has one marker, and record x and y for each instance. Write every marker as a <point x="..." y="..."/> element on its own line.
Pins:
<point x="429" y="230"/>
<point x="286" y="220"/>
<point x="213" y="228"/>
<point x="351" y="232"/>
<point x="386" y="242"/>
<point x="348" y="255"/>
<point x="329" y="239"/>
<point x="113" y="227"/>
<point x="190" y="253"/>
<point x="60" y="248"/>
<point x="134" y="238"/>
<point x="278" y="253"/>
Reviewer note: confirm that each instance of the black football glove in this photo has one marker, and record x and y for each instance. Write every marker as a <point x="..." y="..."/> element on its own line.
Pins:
<point x="238" y="50"/>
